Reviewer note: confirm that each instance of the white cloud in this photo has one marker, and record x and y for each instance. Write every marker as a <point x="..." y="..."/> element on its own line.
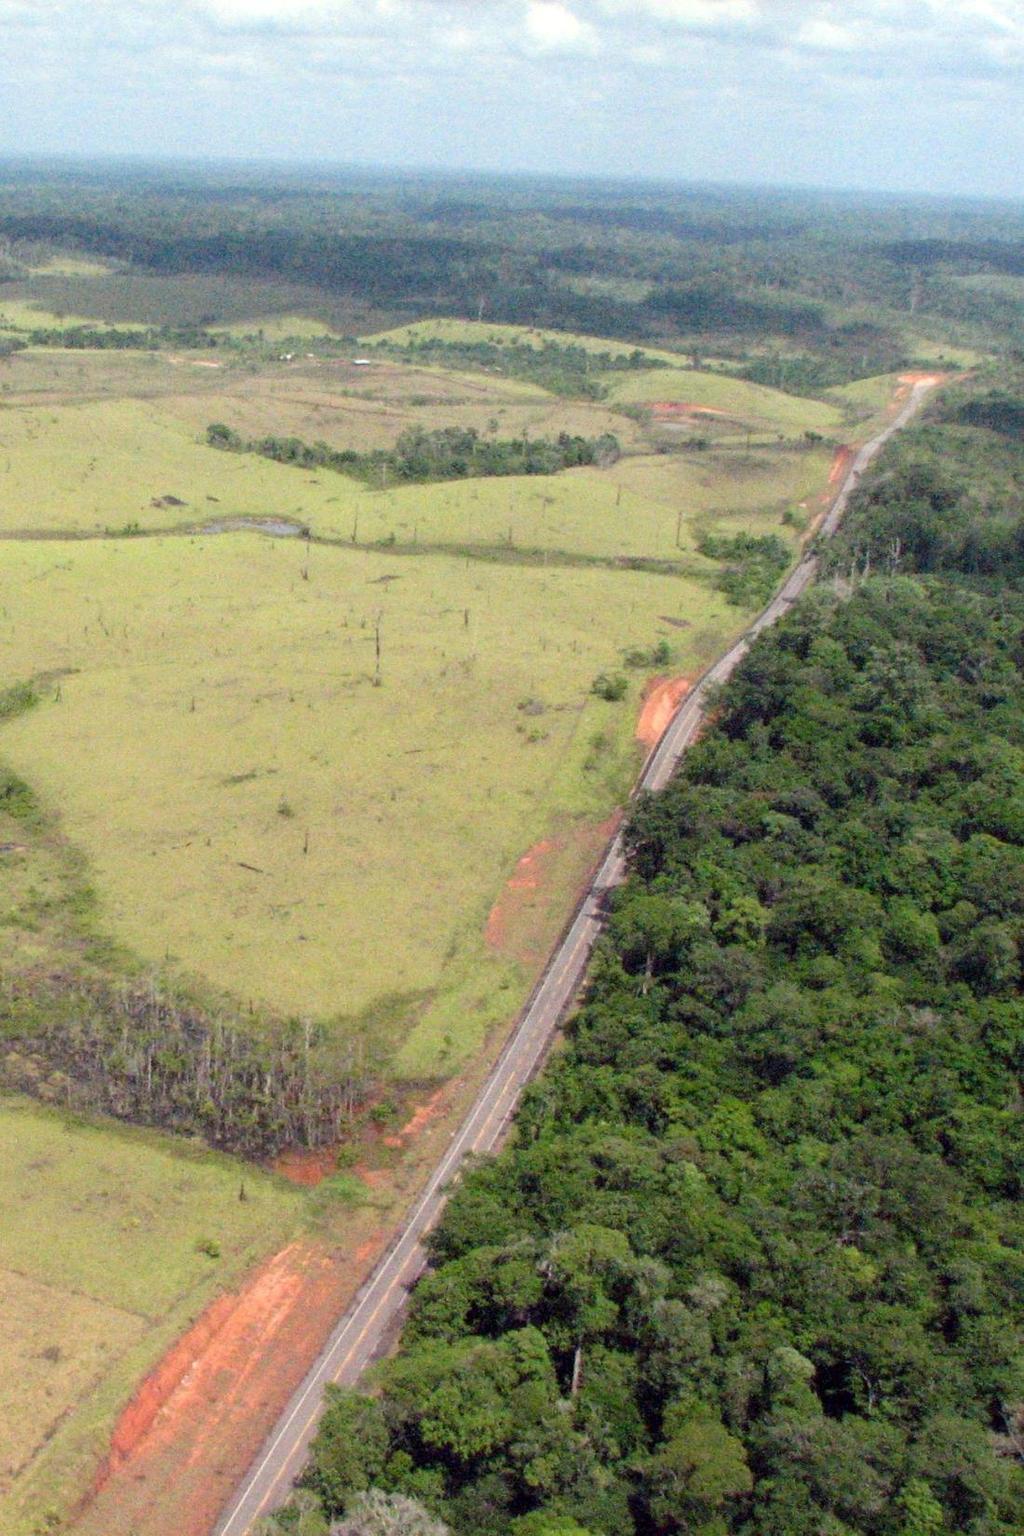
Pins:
<point x="829" y="36"/>
<point x="285" y="13"/>
<point x="710" y="15"/>
<point x="552" y="27"/>
<point x="486" y="80"/>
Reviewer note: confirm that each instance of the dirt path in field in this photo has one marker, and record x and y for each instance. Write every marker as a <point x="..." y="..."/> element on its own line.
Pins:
<point x="196" y="1422"/>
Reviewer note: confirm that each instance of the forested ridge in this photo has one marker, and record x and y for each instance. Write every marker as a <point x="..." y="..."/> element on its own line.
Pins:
<point x="754" y="1261"/>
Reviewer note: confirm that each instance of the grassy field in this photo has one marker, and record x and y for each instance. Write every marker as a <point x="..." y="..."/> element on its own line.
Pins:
<point x="28" y="314"/>
<point x="254" y="804"/>
<point x="474" y="331"/>
<point x="219" y="685"/>
<point x="255" y="810"/>
<point x="751" y="404"/>
<point x="113" y="1241"/>
<point x="279" y="328"/>
<point x="226" y="708"/>
<point x="64" y="264"/>
<point x="218" y="300"/>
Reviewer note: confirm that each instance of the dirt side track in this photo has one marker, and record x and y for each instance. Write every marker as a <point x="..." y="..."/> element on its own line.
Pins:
<point x="365" y="1328"/>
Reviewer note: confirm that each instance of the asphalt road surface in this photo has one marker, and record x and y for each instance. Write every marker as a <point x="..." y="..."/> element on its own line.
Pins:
<point x="365" y="1327"/>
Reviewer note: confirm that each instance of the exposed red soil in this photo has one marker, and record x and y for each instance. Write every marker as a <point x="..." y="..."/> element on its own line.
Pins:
<point x="905" y="383"/>
<point x="521" y="921"/>
<point x="669" y="410"/>
<point x="307" y="1166"/>
<point x="662" y="698"/>
<point x="420" y="1118"/>
<point x="196" y="1422"/>
<point x="840" y="464"/>
<point x="528" y="876"/>
<point x="841" y="461"/>
<point x="373" y="1178"/>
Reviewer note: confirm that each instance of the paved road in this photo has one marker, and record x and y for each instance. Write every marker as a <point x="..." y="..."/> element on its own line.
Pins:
<point x="362" y="1331"/>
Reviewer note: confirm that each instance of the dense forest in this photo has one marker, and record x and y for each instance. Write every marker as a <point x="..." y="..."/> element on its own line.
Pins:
<point x="754" y="1260"/>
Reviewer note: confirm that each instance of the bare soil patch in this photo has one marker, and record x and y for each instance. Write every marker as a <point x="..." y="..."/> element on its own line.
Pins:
<point x="306" y="1166"/>
<point x="542" y="890"/>
<point x="661" y="700"/>
<point x="671" y="410"/>
<point x="195" y="1424"/>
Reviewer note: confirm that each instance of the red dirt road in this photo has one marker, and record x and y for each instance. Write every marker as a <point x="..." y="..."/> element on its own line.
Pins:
<point x="198" y="1419"/>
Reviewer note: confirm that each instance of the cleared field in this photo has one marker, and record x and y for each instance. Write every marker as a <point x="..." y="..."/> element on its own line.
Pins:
<point x="279" y="327"/>
<point x="475" y="331"/>
<point x="643" y="507"/>
<point x="27" y="314"/>
<point x="256" y="810"/>
<point x="99" y="467"/>
<point x="215" y="300"/>
<point x="67" y="265"/>
<point x="946" y="352"/>
<point x="866" y="399"/>
<point x="365" y="409"/>
<point x="116" y="463"/>
<point x="746" y="402"/>
<point x="113" y="1240"/>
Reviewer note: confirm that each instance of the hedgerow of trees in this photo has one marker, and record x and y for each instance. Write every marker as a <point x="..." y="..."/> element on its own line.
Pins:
<point x="419" y="456"/>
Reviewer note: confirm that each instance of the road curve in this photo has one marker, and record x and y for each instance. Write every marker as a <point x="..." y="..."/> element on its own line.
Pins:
<point x="362" y="1331"/>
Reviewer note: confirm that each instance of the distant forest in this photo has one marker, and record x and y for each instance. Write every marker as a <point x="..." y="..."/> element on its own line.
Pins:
<point x="669" y="264"/>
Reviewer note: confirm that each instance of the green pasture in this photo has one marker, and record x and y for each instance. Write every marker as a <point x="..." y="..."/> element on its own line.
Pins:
<point x="67" y="264"/>
<point x="330" y="401"/>
<point x="866" y="399"/>
<point x="102" y="466"/>
<point x="185" y="299"/>
<point x="254" y="810"/>
<point x="113" y="1241"/>
<point x="644" y="507"/>
<point x="69" y="376"/>
<point x="753" y="405"/>
<point x="27" y="314"/>
<point x="121" y="465"/>
<point x="935" y="353"/>
<point x="274" y="328"/>
<point x="477" y="331"/>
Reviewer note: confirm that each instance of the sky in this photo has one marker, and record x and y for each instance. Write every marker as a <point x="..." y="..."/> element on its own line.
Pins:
<point x="900" y="95"/>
